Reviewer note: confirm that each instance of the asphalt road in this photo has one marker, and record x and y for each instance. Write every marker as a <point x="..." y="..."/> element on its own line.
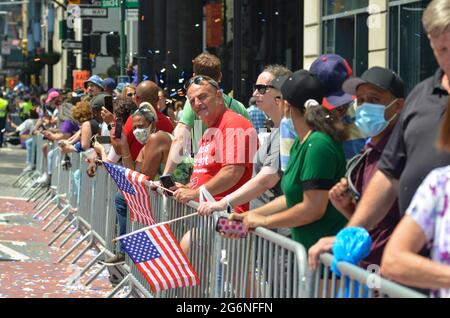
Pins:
<point x="12" y="162"/>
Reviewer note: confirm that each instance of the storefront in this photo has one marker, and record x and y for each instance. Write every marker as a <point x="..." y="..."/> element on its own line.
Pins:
<point x="370" y="33"/>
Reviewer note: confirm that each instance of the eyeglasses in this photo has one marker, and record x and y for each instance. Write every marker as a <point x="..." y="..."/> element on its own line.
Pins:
<point x="198" y="79"/>
<point x="261" y="88"/>
<point x="352" y="166"/>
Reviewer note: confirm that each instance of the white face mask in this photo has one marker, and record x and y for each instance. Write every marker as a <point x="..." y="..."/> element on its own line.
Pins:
<point x="142" y="134"/>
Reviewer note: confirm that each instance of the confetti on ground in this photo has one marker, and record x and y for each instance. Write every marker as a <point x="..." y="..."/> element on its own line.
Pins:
<point x="41" y="276"/>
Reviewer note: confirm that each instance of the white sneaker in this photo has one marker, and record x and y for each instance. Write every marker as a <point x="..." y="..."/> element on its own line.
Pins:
<point x="43" y="179"/>
<point x="28" y="168"/>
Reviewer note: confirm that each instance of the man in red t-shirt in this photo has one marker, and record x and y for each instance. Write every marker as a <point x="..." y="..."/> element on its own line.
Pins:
<point x="226" y="149"/>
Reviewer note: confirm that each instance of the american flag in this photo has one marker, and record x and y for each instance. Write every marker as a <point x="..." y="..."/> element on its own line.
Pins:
<point x="133" y="188"/>
<point x="159" y="258"/>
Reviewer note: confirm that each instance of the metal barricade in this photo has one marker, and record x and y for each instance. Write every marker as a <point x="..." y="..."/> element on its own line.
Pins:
<point x="355" y="282"/>
<point x="227" y="268"/>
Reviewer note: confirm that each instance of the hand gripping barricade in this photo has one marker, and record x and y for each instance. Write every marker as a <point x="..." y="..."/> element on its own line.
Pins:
<point x="263" y="265"/>
<point x="355" y="282"/>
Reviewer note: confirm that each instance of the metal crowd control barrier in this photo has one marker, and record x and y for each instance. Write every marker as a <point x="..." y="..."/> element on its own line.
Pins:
<point x="263" y="265"/>
<point x="355" y="282"/>
<point x="29" y="182"/>
<point x="26" y="177"/>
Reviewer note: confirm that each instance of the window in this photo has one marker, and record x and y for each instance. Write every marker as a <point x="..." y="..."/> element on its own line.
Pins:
<point x="339" y="6"/>
<point x="410" y="54"/>
<point x="346" y="33"/>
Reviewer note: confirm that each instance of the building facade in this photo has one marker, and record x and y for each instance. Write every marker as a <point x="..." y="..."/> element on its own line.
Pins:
<point x="368" y="33"/>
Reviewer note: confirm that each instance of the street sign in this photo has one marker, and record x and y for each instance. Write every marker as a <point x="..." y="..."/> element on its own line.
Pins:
<point x="132" y="15"/>
<point x="94" y="13"/>
<point x="72" y="45"/>
<point x="129" y="4"/>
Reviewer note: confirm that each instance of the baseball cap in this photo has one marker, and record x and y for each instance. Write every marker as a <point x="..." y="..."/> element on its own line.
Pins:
<point x="98" y="101"/>
<point x="300" y="87"/>
<point x="380" y="77"/>
<point x="332" y="70"/>
<point x="279" y="81"/>
<point x="109" y="83"/>
<point x="94" y="79"/>
<point x="51" y="96"/>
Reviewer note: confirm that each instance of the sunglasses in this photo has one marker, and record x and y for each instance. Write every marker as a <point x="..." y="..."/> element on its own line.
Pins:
<point x="261" y="88"/>
<point x="198" y="79"/>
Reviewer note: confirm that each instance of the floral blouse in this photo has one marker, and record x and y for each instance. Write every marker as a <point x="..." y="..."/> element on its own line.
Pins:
<point x="430" y="209"/>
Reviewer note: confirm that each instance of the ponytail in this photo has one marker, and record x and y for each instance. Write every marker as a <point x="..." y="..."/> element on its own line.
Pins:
<point x="321" y="119"/>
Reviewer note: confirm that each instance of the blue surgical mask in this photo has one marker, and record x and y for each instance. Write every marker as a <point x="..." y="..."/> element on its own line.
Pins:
<point x="370" y="118"/>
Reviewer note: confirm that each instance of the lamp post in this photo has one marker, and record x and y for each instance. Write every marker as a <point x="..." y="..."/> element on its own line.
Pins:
<point x="122" y="38"/>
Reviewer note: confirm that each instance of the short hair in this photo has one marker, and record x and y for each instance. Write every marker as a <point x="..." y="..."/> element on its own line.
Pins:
<point x="277" y="70"/>
<point x="82" y="112"/>
<point x="436" y="17"/>
<point x="147" y="111"/>
<point x="207" y="64"/>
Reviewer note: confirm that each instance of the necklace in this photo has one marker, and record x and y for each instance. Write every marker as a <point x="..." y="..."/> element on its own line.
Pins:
<point x="307" y="135"/>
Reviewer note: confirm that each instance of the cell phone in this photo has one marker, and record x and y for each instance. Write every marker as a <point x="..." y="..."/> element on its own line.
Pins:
<point x="109" y="103"/>
<point x="119" y="124"/>
<point x="167" y="182"/>
<point x="103" y="139"/>
<point x="236" y="227"/>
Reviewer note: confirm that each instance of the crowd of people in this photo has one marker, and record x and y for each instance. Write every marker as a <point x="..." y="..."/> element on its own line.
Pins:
<point x="316" y="151"/>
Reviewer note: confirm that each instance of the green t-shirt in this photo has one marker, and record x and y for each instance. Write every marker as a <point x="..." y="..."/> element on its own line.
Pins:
<point x="188" y="117"/>
<point x="318" y="163"/>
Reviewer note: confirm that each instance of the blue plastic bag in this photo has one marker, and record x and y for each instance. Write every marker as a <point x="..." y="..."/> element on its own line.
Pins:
<point x="352" y="245"/>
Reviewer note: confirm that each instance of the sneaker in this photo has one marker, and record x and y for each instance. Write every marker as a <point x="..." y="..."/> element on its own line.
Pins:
<point x="117" y="259"/>
<point x="43" y="179"/>
<point x="28" y="168"/>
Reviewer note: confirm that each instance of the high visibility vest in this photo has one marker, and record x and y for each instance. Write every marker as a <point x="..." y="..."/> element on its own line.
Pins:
<point x="3" y="107"/>
<point x="26" y="107"/>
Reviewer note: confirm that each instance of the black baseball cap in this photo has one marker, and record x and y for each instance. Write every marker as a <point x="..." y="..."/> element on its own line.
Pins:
<point x="279" y="81"/>
<point x="380" y="77"/>
<point x="300" y="87"/>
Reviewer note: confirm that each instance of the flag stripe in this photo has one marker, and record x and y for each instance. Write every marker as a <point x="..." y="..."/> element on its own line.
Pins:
<point x="154" y="281"/>
<point x="172" y="265"/>
<point x="182" y="259"/>
<point x="186" y="275"/>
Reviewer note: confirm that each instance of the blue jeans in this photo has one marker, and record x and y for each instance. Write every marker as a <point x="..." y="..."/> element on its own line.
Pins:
<point x="31" y="147"/>
<point x="121" y="210"/>
<point x="50" y="157"/>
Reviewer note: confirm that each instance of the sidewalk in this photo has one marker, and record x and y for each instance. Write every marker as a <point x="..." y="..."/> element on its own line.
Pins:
<point x="28" y="266"/>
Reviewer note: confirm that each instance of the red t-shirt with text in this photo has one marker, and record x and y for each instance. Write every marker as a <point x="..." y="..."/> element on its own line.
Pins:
<point x="232" y="140"/>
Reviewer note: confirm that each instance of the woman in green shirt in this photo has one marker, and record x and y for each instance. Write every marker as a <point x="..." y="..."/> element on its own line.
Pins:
<point x="317" y="162"/>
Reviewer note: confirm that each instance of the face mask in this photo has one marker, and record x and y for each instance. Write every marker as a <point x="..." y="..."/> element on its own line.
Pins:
<point x="142" y="134"/>
<point x="287" y="137"/>
<point x="370" y="118"/>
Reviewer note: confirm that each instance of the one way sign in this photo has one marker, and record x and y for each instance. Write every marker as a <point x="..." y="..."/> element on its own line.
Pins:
<point x="72" y="45"/>
<point x="94" y="12"/>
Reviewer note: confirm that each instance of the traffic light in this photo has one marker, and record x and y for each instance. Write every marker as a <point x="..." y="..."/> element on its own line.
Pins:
<point x="95" y="43"/>
<point x="113" y="44"/>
